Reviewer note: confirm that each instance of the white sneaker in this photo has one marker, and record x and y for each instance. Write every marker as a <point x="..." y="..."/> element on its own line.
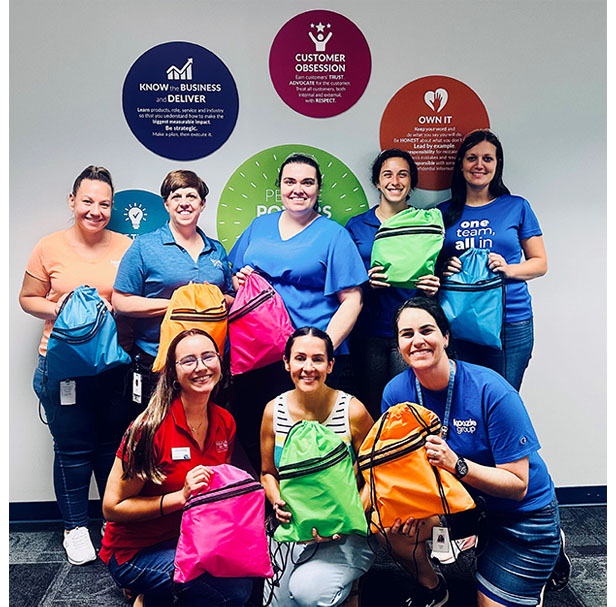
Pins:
<point x="78" y="546"/>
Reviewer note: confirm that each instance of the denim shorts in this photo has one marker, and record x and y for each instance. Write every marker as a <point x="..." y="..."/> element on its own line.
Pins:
<point x="518" y="554"/>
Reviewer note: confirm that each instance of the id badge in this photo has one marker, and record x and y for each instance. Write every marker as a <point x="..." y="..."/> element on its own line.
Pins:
<point x="137" y="381"/>
<point x="180" y="453"/>
<point x="440" y="540"/>
<point x="68" y="392"/>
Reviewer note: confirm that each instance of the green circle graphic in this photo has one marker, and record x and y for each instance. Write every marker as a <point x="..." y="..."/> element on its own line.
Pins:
<point x="251" y="191"/>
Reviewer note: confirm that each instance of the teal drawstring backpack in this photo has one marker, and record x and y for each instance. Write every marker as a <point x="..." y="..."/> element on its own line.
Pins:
<point x="407" y="245"/>
<point x="474" y="300"/>
<point x="84" y="339"/>
<point x="318" y="484"/>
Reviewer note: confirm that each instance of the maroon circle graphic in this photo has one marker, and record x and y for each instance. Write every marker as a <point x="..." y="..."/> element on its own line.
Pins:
<point x="320" y="63"/>
<point x="429" y="117"/>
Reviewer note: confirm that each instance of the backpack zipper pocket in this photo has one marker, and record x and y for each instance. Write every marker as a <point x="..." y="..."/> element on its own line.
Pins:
<point x="252" y="305"/>
<point x="66" y="334"/>
<point x="315" y="464"/>
<point x="409" y="230"/>
<point x="482" y="285"/>
<point x="235" y="489"/>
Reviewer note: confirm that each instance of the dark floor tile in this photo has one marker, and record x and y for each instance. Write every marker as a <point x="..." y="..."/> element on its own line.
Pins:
<point x="28" y="583"/>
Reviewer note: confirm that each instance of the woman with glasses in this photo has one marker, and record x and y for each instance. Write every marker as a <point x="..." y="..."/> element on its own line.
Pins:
<point x="164" y="458"/>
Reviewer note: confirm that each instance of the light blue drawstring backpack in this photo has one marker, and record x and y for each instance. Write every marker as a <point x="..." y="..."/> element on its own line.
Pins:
<point x="84" y="338"/>
<point x="474" y="300"/>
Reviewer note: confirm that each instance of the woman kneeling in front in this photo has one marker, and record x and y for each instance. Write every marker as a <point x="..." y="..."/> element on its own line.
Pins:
<point x="165" y="458"/>
<point x="498" y="462"/>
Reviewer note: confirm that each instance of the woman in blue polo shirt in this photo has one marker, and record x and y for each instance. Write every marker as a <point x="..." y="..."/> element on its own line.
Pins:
<point x="488" y="442"/>
<point x="374" y="350"/>
<point x="483" y="214"/>
<point x="313" y="264"/>
<point x="159" y="262"/>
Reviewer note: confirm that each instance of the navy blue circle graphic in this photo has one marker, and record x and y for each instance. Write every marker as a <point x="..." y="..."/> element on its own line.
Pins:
<point x="180" y="101"/>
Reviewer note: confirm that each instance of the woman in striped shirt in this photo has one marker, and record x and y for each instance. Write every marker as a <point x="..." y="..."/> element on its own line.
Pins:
<point x="340" y="560"/>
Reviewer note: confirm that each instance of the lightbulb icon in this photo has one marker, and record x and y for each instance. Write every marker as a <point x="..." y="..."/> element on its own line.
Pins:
<point x="135" y="214"/>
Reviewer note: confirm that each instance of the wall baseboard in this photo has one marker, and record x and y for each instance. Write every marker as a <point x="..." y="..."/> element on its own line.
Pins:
<point x="593" y="495"/>
<point x="39" y="512"/>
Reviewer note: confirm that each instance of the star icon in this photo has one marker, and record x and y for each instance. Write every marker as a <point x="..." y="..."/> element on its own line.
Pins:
<point x="320" y="27"/>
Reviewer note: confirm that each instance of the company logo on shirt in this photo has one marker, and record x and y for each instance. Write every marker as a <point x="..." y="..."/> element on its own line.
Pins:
<point x="474" y="234"/>
<point x="217" y="263"/>
<point x="465" y="425"/>
<point x="221" y="446"/>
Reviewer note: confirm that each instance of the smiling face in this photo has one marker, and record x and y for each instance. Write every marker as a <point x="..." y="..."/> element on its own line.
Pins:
<point x="420" y="341"/>
<point x="479" y="165"/>
<point x="197" y="365"/>
<point x="394" y="180"/>
<point x="91" y="205"/>
<point x="299" y="188"/>
<point x="184" y="206"/>
<point x="308" y="363"/>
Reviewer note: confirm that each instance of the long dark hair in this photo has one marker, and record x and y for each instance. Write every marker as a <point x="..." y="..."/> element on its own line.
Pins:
<point x="458" y="183"/>
<point x="138" y="457"/>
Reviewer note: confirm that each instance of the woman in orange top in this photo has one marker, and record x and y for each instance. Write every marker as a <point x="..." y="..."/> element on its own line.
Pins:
<point x="86" y="430"/>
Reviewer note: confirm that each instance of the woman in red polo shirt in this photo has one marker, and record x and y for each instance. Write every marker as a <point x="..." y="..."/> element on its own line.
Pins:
<point x="164" y="458"/>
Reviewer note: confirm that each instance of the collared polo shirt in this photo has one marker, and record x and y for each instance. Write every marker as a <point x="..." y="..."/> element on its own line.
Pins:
<point x="173" y="442"/>
<point x="155" y="265"/>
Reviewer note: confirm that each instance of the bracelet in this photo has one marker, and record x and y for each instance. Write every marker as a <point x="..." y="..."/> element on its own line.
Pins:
<point x="162" y="497"/>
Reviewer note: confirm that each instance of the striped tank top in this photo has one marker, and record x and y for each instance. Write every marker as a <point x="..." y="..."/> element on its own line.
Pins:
<point x="337" y="421"/>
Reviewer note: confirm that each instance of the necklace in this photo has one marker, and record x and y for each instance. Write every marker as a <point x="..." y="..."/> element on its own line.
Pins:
<point x="195" y="429"/>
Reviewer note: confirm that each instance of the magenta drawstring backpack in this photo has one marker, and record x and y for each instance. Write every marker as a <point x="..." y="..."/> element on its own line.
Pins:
<point x="223" y="529"/>
<point x="259" y="326"/>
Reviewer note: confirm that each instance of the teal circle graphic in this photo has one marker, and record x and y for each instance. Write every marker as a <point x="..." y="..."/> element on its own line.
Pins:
<point x="137" y="212"/>
<point x="251" y="191"/>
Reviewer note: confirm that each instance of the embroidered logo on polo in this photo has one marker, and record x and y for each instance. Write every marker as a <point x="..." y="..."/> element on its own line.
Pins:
<point x="465" y="425"/>
<point x="221" y="445"/>
<point x="217" y="263"/>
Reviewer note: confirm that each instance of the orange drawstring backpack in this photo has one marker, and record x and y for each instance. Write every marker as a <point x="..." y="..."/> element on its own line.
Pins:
<point x="193" y="306"/>
<point x="395" y="467"/>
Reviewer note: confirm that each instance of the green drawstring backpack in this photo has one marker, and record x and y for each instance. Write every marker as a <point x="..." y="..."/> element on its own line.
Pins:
<point x="318" y="484"/>
<point x="407" y="245"/>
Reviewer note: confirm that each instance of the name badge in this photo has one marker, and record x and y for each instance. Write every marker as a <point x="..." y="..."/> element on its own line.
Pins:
<point x="180" y="453"/>
<point x="68" y="392"/>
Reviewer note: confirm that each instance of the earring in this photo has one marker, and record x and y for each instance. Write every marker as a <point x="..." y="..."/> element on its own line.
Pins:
<point x="176" y="384"/>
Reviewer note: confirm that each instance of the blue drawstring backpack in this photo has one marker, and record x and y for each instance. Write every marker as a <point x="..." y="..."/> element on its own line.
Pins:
<point x="474" y="300"/>
<point x="84" y="338"/>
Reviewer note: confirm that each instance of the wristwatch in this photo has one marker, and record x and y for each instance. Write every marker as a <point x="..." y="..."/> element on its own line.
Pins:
<point x="461" y="468"/>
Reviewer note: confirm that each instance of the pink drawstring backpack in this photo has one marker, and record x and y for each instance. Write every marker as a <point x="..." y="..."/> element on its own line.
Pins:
<point x="223" y="529"/>
<point x="259" y="326"/>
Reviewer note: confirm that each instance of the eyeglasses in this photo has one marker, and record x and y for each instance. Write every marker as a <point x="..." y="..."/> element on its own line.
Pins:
<point x="189" y="363"/>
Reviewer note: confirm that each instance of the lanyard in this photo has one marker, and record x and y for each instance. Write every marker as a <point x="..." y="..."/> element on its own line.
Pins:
<point x="452" y="375"/>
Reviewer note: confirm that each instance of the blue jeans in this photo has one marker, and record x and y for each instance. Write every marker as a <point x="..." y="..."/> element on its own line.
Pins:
<point x="86" y="436"/>
<point x="150" y="572"/>
<point x="519" y="555"/>
<point x="511" y="362"/>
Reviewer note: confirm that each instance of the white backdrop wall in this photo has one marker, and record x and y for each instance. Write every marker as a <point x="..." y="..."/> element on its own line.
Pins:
<point x="539" y="67"/>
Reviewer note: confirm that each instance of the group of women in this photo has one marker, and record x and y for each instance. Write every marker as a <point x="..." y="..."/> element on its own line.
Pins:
<point x="393" y="350"/>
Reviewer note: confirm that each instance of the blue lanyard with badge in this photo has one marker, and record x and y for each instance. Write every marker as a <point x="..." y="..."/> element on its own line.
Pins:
<point x="452" y="376"/>
<point x="441" y="543"/>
